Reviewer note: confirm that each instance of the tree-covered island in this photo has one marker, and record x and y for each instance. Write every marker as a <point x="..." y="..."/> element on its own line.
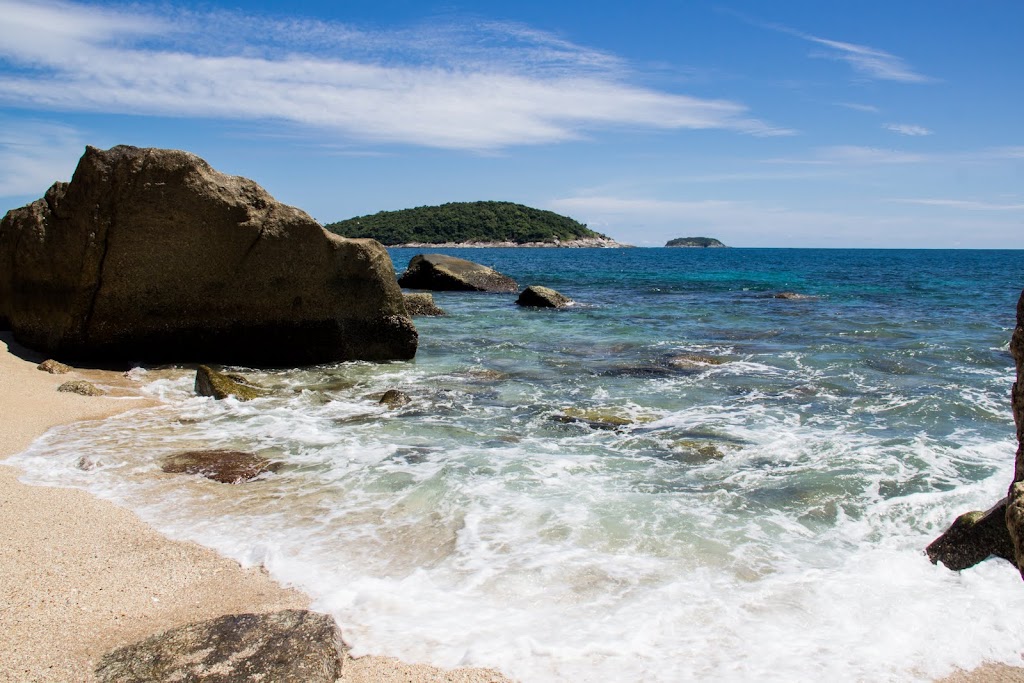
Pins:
<point x="700" y="242"/>
<point x="483" y="223"/>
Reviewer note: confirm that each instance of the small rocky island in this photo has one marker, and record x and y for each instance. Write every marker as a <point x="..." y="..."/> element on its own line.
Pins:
<point x="472" y="224"/>
<point x="695" y="242"/>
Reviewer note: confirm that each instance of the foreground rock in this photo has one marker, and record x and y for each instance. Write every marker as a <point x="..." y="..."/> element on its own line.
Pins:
<point x="393" y="398"/>
<point x="536" y="296"/>
<point x="447" y="273"/>
<point x="999" y="532"/>
<point x="422" y="303"/>
<point x="151" y="255"/>
<point x="291" y="646"/>
<point x="224" y="466"/>
<point x="54" y="367"/>
<point x="973" y="537"/>
<point x="219" y="385"/>
<point x="80" y="387"/>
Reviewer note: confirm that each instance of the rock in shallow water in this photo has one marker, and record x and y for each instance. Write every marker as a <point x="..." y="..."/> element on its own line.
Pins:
<point x="422" y="303"/>
<point x="447" y="273"/>
<point x="219" y="385"/>
<point x="536" y="296"/>
<point x="291" y="646"/>
<point x="151" y="255"/>
<point x="225" y="466"/>
<point x="973" y="537"/>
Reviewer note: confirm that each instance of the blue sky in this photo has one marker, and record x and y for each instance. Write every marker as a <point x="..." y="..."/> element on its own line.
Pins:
<point x="789" y="124"/>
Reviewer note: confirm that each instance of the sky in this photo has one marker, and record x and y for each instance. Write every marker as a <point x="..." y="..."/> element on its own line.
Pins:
<point x="794" y="123"/>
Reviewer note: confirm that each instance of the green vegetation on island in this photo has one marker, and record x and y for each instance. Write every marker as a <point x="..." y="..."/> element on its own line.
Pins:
<point x="460" y="222"/>
<point x="694" y="242"/>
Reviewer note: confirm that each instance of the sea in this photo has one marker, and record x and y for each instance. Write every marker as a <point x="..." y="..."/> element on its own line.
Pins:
<point x="682" y="477"/>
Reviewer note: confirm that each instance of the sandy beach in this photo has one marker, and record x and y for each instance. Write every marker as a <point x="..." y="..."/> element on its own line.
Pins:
<point x="82" y="576"/>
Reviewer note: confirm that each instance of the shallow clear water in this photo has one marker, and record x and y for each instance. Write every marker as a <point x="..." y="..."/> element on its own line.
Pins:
<point x="764" y="517"/>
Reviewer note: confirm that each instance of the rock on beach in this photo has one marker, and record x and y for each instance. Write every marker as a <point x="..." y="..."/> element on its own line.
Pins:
<point x="152" y="255"/>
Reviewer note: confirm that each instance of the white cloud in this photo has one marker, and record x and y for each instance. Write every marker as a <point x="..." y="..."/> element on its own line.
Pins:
<point x="907" y="129"/>
<point x="868" y="108"/>
<point x="869" y="61"/>
<point x="436" y="87"/>
<point x="963" y="204"/>
<point x="856" y="155"/>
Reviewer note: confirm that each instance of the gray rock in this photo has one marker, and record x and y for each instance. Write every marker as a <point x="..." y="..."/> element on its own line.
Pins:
<point x="973" y="537"/>
<point x="225" y="466"/>
<point x="80" y="386"/>
<point x="209" y="382"/>
<point x="151" y="255"/>
<point x="291" y="646"/>
<point x="536" y="296"/>
<point x="422" y="303"/>
<point x="447" y="273"/>
<point x="54" y="367"/>
<point x="393" y="398"/>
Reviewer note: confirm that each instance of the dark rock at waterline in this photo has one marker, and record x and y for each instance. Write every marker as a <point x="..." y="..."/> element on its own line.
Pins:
<point x="219" y="385"/>
<point x="290" y="646"/>
<point x="224" y="466"/>
<point x="1015" y="505"/>
<point x="422" y="303"/>
<point x="393" y="398"/>
<point x="536" y="296"/>
<point x="595" y="419"/>
<point x="789" y="296"/>
<point x="152" y="255"/>
<point x="692" y="361"/>
<point x="54" y="367"/>
<point x="447" y="273"/>
<point x="80" y="387"/>
<point x="973" y="537"/>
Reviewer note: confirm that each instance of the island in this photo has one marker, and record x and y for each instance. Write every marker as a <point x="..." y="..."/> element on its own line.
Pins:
<point x="472" y="224"/>
<point x="695" y="242"/>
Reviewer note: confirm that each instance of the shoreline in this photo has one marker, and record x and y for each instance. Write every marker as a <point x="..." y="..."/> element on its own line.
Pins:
<point x="83" y="576"/>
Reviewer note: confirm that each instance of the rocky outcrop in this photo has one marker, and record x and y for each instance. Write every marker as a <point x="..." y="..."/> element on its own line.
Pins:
<point x="80" y="387"/>
<point x="224" y="466"/>
<point x="393" y="398"/>
<point x="447" y="273"/>
<point x="219" y="385"/>
<point x="291" y="646"/>
<point x="422" y="303"/>
<point x="1015" y="501"/>
<point x="998" y="532"/>
<point x="152" y="255"/>
<point x="536" y="296"/>
<point x="54" y="367"/>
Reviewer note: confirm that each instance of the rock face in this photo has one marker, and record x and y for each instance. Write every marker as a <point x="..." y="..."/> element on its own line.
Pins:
<point x="999" y="531"/>
<point x="151" y="255"/>
<point x="536" y="296"/>
<point x="291" y="646"/>
<point x="1015" y="502"/>
<point x="227" y="467"/>
<point x="448" y="273"/>
<point x="422" y="303"/>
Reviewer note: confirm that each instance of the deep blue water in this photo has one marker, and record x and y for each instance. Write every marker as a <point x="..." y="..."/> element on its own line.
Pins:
<point x="568" y="498"/>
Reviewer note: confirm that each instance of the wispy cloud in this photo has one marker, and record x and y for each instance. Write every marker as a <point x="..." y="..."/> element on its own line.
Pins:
<point x="855" y="155"/>
<point x="33" y="154"/>
<point x="868" y="108"/>
<point x="963" y="204"/>
<point x="480" y="87"/>
<point x="907" y="129"/>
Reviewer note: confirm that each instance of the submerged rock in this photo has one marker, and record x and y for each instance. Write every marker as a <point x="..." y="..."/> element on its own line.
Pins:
<point x="54" y="367"/>
<point x="219" y="385"/>
<point x="595" y="419"/>
<point x="152" y="255"/>
<point x="973" y="537"/>
<point x="692" y="361"/>
<point x="225" y="466"/>
<point x="542" y="297"/>
<point x="290" y="646"/>
<point x="448" y="273"/>
<point x="422" y="303"/>
<point x="80" y="386"/>
<point x="393" y="398"/>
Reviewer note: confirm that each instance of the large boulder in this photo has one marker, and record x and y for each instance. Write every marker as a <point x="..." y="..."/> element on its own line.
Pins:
<point x="291" y="646"/>
<point x="447" y="273"/>
<point x="150" y="254"/>
<point x="1015" y="502"/>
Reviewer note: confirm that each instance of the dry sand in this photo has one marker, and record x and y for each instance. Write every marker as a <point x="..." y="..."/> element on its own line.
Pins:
<point x="80" y="576"/>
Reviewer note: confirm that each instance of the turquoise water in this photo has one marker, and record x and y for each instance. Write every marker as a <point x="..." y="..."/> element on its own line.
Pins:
<point x="759" y="515"/>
